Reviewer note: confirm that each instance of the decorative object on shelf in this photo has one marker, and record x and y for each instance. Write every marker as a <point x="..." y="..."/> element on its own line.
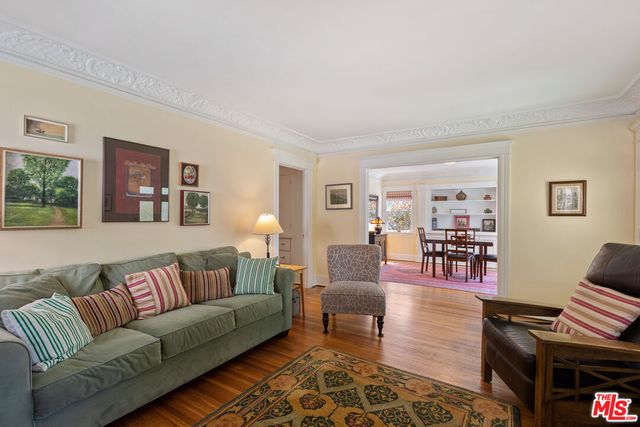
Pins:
<point x="434" y="223"/>
<point x="568" y="198"/>
<point x="434" y="210"/>
<point x="487" y="197"/>
<point x="267" y="225"/>
<point x="195" y="207"/>
<point x="46" y="129"/>
<point x="440" y="198"/>
<point x="40" y="190"/>
<point x="488" y="211"/>
<point x="457" y="211"/>
<point x="489" y="225"/>
<point x="338" y="196"/>
<point x="135" y="182"/>
<point x="189" y="174"/>
<point x="373" y="206"/>
<point x="461" y="195"/>
<point x="378" y="224"/>
<point x="461" y="221"/>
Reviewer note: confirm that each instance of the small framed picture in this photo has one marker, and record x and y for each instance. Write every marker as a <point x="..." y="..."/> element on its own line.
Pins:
<point x="461" y="221"/>
<point x="373" y="207"/>
<point x="338" y="196"/>
<point x="457" y="211"/>
<point x="434" y="223"/>
<point x="489" y="225"/>
<point x="46" y="129"/>
<point x="195" y="207"/>
<point x="568" y="198"/>
<point x="189" y="174"/>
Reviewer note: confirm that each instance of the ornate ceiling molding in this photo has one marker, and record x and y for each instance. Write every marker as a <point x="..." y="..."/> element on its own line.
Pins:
<point x="24" y="46"/>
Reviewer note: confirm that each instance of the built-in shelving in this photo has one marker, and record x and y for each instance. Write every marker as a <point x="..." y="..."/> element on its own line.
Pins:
<point x="479" y="197"/>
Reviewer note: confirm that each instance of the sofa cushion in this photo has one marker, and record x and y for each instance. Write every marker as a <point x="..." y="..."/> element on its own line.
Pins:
<point x="197" y="261"/>
<point x="220" y="260"/>
<point x="255" y="276"/>
<point x="353" y="298"/>
<point x="207" y="285"/>
<point x="106" y="310"/>
<point x="78" y="279"/>
<point x="157" y="291"/>
<point x="112" y="357"/>
<point x="185" y="328"/>
<point x="249" y="308"/>
<point x="113" y="274"/>
<point x="20" y="294"/>
<point x="12" y="277"/>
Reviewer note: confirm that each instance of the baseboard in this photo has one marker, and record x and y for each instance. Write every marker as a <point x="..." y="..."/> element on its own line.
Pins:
<point x="404" y="257"/>
<point x="320" y="280"/>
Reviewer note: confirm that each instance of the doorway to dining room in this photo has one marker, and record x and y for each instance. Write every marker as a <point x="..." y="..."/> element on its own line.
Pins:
<point x="418" y="212"/>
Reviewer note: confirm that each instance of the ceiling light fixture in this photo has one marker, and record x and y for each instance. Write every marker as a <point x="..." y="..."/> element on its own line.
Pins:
<point x="450" y="163"/>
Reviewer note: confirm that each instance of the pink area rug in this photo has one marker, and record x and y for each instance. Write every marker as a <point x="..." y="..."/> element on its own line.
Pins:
<point x="409" y="272"/>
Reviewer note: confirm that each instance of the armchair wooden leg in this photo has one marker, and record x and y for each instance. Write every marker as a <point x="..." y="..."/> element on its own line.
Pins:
<point x="380" y="326"/>
<point x="486" y="370"/>
<point x="544" y="383"/>
<point x="325" y="322"/>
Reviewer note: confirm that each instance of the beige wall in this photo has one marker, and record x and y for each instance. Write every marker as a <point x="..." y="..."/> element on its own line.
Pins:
<point x="236" y="169"/>
<point x="548" y="254"/>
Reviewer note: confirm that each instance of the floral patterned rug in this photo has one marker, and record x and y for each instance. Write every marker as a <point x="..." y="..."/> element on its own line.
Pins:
<point x="327" y="388"/>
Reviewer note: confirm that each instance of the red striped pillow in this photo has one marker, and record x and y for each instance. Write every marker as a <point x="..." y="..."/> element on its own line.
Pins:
<point x="595" y="311"/>
<point x="157" y="291"/>
<point x="206" y="285"/>
<point x="106" y="310"/>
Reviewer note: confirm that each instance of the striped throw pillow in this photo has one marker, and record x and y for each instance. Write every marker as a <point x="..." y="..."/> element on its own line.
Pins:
<point x="595" y="311"/>
<point x="207" y="285"/>
<point x="255" y="276"/>
<point x="106" y="310"/>
<point x="51" y="328"/>
<point x="157" y="291"/>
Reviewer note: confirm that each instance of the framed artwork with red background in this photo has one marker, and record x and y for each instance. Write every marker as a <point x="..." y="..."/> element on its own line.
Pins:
<point x="135" y="182"/>
<point x="461" y="221"/>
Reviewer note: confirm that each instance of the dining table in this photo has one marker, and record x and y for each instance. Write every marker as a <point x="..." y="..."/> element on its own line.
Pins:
<point x="482" y="252"/>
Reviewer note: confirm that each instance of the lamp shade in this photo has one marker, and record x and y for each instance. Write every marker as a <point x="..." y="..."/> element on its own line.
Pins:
<point x="377" y="221"/>
<point x="267" y="224"/>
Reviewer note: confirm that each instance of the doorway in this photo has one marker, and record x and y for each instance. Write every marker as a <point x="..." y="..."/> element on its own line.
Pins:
<point x="291" y="249"/>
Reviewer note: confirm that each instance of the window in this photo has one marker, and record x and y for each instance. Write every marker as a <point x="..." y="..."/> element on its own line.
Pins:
<point x="399" y="208"/>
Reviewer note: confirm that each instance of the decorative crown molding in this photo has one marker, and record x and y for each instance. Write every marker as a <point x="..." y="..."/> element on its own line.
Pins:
<point x="24" y="46"/>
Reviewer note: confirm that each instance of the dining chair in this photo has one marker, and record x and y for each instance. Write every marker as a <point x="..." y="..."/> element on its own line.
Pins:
<point x="459" y="248"/>
<point x="426" y="253"/>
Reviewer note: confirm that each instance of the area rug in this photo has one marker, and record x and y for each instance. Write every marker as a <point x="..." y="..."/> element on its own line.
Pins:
<point x="327" y="388"/>
<point x="409" y="272"/>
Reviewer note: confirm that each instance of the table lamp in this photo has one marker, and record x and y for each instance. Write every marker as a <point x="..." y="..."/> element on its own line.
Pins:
<point x="267" y="225"/>
<point x="378" y="224"/>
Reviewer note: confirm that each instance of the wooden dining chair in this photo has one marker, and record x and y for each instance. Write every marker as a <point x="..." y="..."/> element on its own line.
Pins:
<point x="459" y="248"/>
<point x="426" y="253"/>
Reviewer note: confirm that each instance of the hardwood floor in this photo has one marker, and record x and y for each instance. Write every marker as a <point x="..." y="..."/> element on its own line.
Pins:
<point x="428" y="331"/>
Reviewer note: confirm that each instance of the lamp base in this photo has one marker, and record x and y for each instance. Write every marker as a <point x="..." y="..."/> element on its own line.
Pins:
<point x="267" y="240"/>
<point x="378" y="229"/>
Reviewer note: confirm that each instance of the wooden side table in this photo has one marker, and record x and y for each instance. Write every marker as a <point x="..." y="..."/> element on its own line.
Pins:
<point x="298" y="269"/>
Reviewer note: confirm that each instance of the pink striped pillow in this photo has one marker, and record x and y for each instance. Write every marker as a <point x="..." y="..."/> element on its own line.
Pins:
<point x="106" y="310"/>
<point x="206" y="285"/>
<point x="157" y="291"/>
<point x="595" y="311"/>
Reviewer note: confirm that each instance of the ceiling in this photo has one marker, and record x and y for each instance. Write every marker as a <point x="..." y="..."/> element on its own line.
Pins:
<point x="471" y="168"/>
<point x="348" y="74"/>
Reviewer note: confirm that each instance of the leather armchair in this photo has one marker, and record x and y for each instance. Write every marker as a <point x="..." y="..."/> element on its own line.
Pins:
<point x="556" y="375"/>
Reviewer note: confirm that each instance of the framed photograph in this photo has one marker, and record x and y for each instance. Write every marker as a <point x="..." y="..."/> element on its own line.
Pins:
<point x="373" y="206"/>
<point x="568" y="198"/>
<point x="338" y="196"/>
<point x="457" y="211"/>
<point x="461" y="221"/>
<point x="39" y="190"/>
<point x="195" y="208"/>
<point x="434" y="223"/>
<point x="135" y="182"/>
<point x="189" y="174"/>
<point x="489" y="225"/>
<point x="46" y="129"/>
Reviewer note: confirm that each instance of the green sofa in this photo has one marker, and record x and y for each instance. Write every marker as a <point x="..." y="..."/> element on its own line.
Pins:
<point x="127" y="367"/>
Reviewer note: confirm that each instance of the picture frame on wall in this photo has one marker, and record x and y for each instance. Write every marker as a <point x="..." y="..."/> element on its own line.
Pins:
<point x="568" y="198"/>
<point x="195" y="207"/>
<point x="338" y="196"/>
<point x="135" y="182"/>
<point x="189" y="174"/>
<point x="46" y="129"/>
<point x="489" y="225"/>
<point x="373" y="207"/>
<point x="434" y="223"/>
<point x="461" y="221"/>
<point x="39" y="191"/>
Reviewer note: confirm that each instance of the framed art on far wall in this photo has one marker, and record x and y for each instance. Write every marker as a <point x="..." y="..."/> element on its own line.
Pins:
<point x="373" y="207"/>
<point x="338" y="196"/>
<point x="461" y="221"/>
<point x="195" y="207"/>
<point x="46" y="129"/>
<point x="489" y="225"/>
<point x="39" y="191"/>
<point x="568" y="198"/>
<point x="189" y="174"/>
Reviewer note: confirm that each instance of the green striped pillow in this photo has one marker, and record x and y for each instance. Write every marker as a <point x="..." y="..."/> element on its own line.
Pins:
<point x="51" y="328"/>
<point x="255" y="276"/>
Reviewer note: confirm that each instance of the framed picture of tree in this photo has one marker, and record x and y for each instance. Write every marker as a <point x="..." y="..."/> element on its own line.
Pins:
<point x="195" y="208"/>
<point x="39" y="191"/>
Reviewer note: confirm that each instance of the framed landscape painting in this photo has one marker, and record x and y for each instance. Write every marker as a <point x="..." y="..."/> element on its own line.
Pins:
<point x="135" y="182"/>
<point x="46" y="129"/>
<point x="39" y="191"/>
<point x="338" y="196"/>
<point x="568" y="198"/>
<point x="195" y="207"/>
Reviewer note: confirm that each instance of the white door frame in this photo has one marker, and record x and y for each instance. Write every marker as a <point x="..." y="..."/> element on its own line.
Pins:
<point x="291" y="160"/>
<point x="500" y="150"/>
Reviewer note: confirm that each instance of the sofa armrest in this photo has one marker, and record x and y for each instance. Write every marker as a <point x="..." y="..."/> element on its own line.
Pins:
<point x="16" y="404"/>
<point x="283" y="284"/>
<point x="492" y="306"/>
